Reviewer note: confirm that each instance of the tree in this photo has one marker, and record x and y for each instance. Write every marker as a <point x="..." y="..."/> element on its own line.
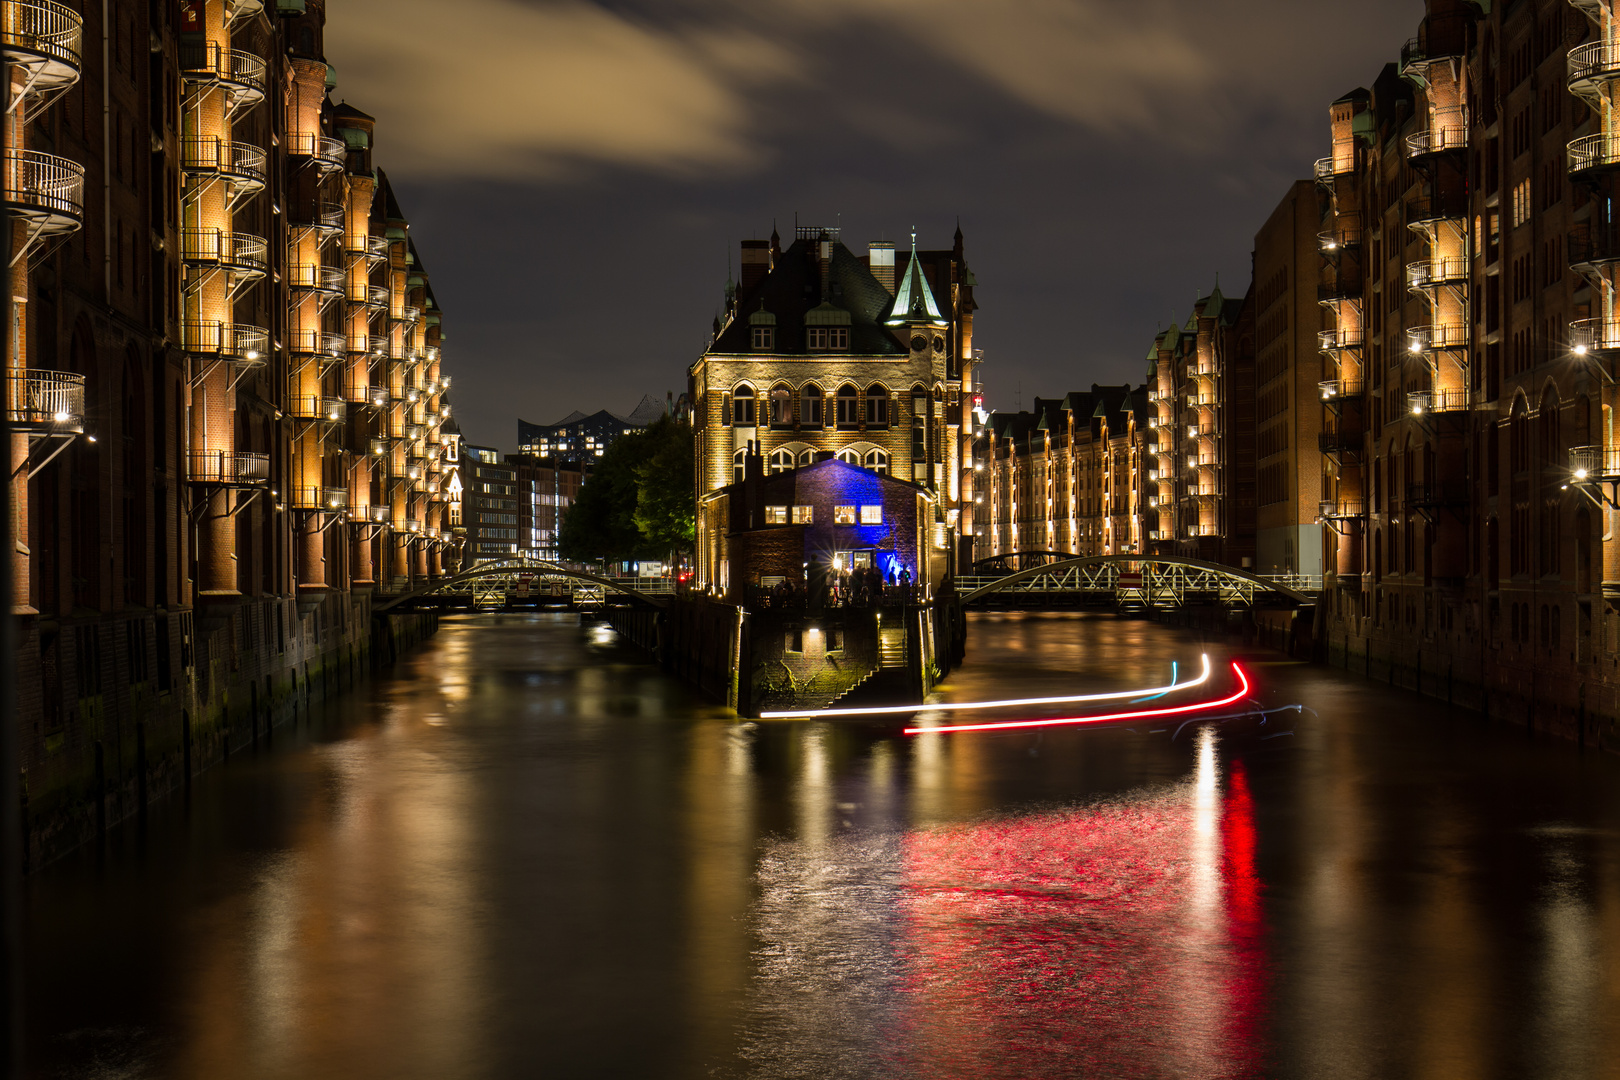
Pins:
<point x="665" y="504"/>
<point x="638" y="502"/>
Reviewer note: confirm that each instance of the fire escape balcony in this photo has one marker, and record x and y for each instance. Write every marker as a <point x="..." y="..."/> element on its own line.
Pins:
<point x="1436" y="494"/>
<point x="1446" y="139"/>
<point x="323" y="151"/>
<point x="1340" y="509"/>
<point x="363" y="343"/>
<point x="1587" y="336"/>
<point x="322" y="343"/>
<point x="236" y="10"/>
<point x="1437" y="336"/>
<point x="1337" y="391"/>
<point x="1346" y="236"/>
<point x="374" y="248"/>
<point x="329" y="499"/>
<point x="325" y="409"/>
<point x="1594" y="463"/>
<point x="414" y="432"/>
<point x="328" y="282"/>
<point x="323" y="216"/>
<point x="1340" y="444"/>
<point x="244" y="256"/>
<point x="43" y="41"/>
<point x="227" y="468"/>
<point x="1420" y="402"/>
<point x="242" y="76"/>
<point x="1342" y="287"/>
<point x="408" y="314"/>
<point x="1433" y="273"/>
<point x="373" y="297"/>
<point x="240" y="165"/>
<point x="245" y="346"/>
<point x="1349" y="337"/>
<point x="1424" y="214"/>
<point x="1327" y="168"/>
<point x="1593" y="249"/>
<point x="45" y="194"/>
<point x="380" y="447"/>
<point x="379" y="514"/>
<point x="45" y="402"/>
<point x="1592" y="67"/>
<point x="1590" y="154"/>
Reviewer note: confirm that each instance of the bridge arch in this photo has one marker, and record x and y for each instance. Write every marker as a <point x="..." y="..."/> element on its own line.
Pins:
<point x="1162" y="578"/>
<point x="506" y="567"/>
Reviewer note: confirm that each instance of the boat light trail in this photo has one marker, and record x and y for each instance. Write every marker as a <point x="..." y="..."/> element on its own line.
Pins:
<point x="1141" y="693"/>
<point x="1071" y="721"/>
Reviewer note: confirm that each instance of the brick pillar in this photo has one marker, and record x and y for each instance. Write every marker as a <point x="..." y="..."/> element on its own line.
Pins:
<point x="216" y="547"/>
<point x="311" y="554"/>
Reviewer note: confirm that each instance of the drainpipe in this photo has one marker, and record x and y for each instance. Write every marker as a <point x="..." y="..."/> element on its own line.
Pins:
<point x="106" y="149"/>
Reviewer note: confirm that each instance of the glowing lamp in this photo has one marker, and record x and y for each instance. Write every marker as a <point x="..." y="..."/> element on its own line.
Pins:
<point x="253" y="354"/>
<point x="1580" y="350"/>
<point x="1580" y="474"/>
<point x="61" y="416"/>
<point x="1417" y="410"/>
<point x="1414" y="347"/>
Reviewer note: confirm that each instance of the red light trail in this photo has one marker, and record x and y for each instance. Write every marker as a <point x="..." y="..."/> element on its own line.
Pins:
<point x="1139" y="714"/>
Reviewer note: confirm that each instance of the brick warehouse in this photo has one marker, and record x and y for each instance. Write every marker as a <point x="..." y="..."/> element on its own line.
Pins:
<point x="823" y="353"/>
<point x="224" y="387"/>
<point x="1472" y="335"/>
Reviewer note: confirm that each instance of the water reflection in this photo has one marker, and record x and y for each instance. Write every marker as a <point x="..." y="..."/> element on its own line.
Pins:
<point x="531" y="852"/>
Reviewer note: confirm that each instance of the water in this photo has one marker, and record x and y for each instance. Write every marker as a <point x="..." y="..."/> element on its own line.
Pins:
<point x="527" y="852"/>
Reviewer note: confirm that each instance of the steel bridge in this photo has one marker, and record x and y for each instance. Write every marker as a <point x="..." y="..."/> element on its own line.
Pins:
<point x="1127" y="583"/>
<point x="499" y="584"/>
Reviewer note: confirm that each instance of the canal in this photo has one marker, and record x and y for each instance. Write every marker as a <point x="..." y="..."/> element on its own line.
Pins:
<point x="528" y="852"/>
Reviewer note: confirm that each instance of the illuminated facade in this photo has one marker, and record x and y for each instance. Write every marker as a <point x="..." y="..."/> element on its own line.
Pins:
<point x="1068" y="476"/>
<point x="825" y="354"/>
<point x="579" y="438"/>
<point x="224" y="382"/>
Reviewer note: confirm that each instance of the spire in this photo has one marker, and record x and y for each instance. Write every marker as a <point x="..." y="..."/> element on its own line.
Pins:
<point x="913" y="301"/>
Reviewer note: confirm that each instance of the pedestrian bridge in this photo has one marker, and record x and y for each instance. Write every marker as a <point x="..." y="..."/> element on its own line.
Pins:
<point x="1125" y="583"/>
<point x="508" y="581"/>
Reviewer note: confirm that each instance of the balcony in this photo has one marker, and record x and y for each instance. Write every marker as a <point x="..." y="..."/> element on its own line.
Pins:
<point x="1349" y="337"/>
<point x="43" y="40"/>
<point x="228" y="468"/>
<point x="374" y="297"/>
<point x="1591" y="249"/>
<point x="408" y="314"/>
<point x="241" y="76"/>
<point x="324" y="281"/>
<point x="325" y="153"/>
<point x="1333" y="242"/>
<point x="1437" y="493"/>
<point x="1329" y="167"/>
<point x="379" y="447"/>
<point x="45" y="401"/>
<point x="327" y="499"/>
<point x="1339" y="443"/>
<point x="1419" y="402"/>
<point x="236" y="10"/>
<point x="1591" y="153"/>
<point x="316" y="343"/>
<point x="324" y="216"/>
<point x="1425" y="213"/>
<point x="1588" y="336"/>
<point x="365" y="246"/>
<point x="45" y="193"/>
<point x="414" y="432"/>
<point x="1432" y="273"/>
<point x="242" y="254"/>
<point x="1438" y="140"/>
<point x="327" y="409"/>
<point x="1340" y="389"/>
<point x="379" y="397"/>
<point x="1341" y="510"/>
<point x="239" y="164"/>
<point x="1592" y="67"/>
<point x="248" y="346"/>
<point x="365" y="343"/>
<point x="1594" y="463"/>
<point x="1345" y="287"/>
<point x="412" y="525"/>
<point x="378" y="514"/>
<point x="1437" y="336"/>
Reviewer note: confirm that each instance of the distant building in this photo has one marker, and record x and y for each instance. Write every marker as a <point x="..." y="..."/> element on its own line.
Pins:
<point x="580" y="438"/>
<point x="546" y="487"/>
<point x="489" y="506"/>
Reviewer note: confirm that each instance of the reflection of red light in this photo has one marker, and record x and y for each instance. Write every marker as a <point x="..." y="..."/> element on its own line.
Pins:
<point x="1246" y="980"/>
<point x="1139" y="714"/>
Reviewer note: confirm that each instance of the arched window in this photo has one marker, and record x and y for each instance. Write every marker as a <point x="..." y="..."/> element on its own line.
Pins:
<point x="807" y="457"/>
<point x="878" y="461"/>
<point x="738" y="464"/>
<point x="849" y="457"/>
<point x="849" y="406"/>
<point x="742" y="406"/>
<point x="781" y="406"/>
<point x="810" y="405"/>
<point x="781" y="460"/>
<point x="877" y="406"/>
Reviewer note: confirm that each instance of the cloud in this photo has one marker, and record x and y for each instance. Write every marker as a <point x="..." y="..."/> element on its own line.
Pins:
<point x="497" y="89"/>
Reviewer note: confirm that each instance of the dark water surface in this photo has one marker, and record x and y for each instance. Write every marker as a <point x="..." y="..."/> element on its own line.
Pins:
<point x="529" y="853"/>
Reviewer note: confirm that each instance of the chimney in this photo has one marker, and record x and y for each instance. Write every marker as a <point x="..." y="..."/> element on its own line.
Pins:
<point x="756" y="263"/>
<point x="824" y="248"/>
<point x="880" y="259"/>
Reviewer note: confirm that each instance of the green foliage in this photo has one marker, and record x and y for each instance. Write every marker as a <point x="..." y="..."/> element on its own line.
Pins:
<point x="638" y="501"/>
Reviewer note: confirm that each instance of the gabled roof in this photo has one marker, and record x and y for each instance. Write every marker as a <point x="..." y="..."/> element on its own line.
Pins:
<point x="914" y="301"/>
<point x="793" y="289"/>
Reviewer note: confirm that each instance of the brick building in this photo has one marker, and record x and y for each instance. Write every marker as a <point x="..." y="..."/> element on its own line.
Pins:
<point x="224" y="384"/>
<point x="822" y="353"/>
<point x="491" y="505"/>
<point x="547" y="487"/>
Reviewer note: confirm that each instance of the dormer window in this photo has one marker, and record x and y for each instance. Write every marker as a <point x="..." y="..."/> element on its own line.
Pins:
<point x="828" y="338"/>
<point x="764" y="338"/>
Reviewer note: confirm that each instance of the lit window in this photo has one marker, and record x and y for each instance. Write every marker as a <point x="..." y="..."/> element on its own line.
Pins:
<point x="829" y="337"/>
<point x="776" y="515"/>
<point x="1521" y="202"/>
<point x="871" y="515"/>
<point x="843" y="515"/>
<point x="802" y="515"/>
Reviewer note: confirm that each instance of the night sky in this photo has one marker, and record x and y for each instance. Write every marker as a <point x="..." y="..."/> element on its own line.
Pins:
<point x="576" y="174"/>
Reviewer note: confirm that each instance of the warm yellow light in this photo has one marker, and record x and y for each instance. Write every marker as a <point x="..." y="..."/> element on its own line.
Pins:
<point x="1580" y="474"/>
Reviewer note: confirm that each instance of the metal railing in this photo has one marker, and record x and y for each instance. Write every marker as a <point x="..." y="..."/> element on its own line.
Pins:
<point x="245" y="73"/>
<point x="209" y="153"/>
<point x="364" y="343"/>
<point x="329" y="280"/>
<point x="231" y="468"/>
<point x="316" y="342"/>
<point x="1326" y="169"/>
<point x="1339" y="389"/>
<point x="1591" y="64"/>
<point x="1348" y="234"/>
<point x="1594" y="462"/>
<point x="1337" y="510"/>
<point x="325" y="215"/>
<point x="313" y="407"/>
<point x="239" y="251"/>
<point x="322" y="148"/>
<point x="379" y="447"/>
<point x="1423" y="210"/>
<point x="1438" y="140"/>
<point x="374" y="297"/>
<point x="1594" y="335"/>
<point x="1594" y="152"/>
<point x="43" y="27"/>
<point x="36" y="182"/>
<point x="1437" y="336"/>
<point x="378" y="514"/>
<point x="40" y="399"/>
<point x="240" y="344"/>
<point x="1431" y="272"/>
<point x="1428" y="401"/>
<point x="319" y="498"/>
<point x="1340" y="288"/>
<point x="1345" y="338"/>
<point x="1338" y="442"/>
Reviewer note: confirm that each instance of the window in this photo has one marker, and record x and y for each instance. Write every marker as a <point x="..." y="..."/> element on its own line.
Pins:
<point x="828" y="337"/>
<point x="1521" y="202"/>
<point x="878" y="461"/>
<point x="781" y="406"/>
<point x="776" y="515"/>
<point x="803" y="515"/>
<point x="871" y="515"/>
<point x="781" y="460"/>
<point x="742" y="406"/>
<point x="849" y="405"/>
<point x="737" y="466"/>
<point x="810" y="405"/>
<point x="763" y="338"/>
<point x="877" y="406"/>
<point x="843" y="515"/>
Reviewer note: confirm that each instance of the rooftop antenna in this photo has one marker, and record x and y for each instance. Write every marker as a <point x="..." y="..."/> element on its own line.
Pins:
<point x="914" y="239"/>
